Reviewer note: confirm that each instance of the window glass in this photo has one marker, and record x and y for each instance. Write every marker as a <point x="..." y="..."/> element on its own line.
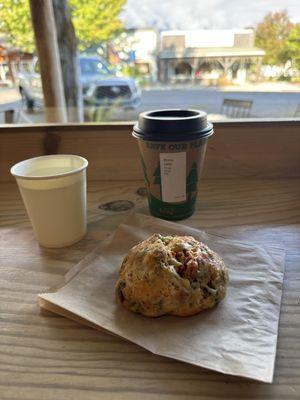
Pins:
<point x="37" y="67"/>
<point x="232" y="59"/>
<point x="93" y="66"/>
<point x="26" y="66"/>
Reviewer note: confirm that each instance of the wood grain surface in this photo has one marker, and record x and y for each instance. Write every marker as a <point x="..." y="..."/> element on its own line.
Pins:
<point x="47" y="357"/>
<point x="253" y="149"/>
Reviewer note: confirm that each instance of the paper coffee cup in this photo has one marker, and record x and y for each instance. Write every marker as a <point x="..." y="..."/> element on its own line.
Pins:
<point x="172" y="146"/>
<point x="53" y="189"/>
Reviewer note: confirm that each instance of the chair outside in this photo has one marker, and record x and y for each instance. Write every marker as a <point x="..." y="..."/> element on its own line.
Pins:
<point x="297" y="112"/>
<point x="236" y="108"/>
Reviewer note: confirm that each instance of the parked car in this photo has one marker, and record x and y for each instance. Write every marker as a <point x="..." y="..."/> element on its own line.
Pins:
<point x="100" y="85"/>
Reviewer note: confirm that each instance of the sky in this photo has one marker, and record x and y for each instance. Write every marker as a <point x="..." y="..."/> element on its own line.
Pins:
<point x="200" y="14"/>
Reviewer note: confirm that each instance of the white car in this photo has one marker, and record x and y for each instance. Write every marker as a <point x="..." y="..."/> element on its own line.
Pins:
<point x="100" y="85"/>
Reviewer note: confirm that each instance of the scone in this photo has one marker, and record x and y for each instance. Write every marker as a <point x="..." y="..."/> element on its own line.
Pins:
<point x="174" y="275"/>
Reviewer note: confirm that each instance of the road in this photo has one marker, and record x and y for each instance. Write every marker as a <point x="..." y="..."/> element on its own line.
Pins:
<point x="265" y="104"/>
<point x="270" y="104"/>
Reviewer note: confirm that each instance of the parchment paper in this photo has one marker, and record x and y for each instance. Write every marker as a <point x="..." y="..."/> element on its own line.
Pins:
<point x="237" y="337"/>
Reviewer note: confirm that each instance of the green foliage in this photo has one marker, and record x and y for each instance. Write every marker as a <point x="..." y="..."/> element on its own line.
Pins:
<point x="95" y="21"/>
<point x="101" y="113"/>
<point x="131" y="70"/>
<point x="272" y="34"/>
<point x="15" y="24"/>
<point x="293" y="45"/>
<point x="134" y="72"/>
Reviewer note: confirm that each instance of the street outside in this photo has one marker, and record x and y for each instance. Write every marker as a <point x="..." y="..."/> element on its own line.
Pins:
<point x="265" y="104"/>
<point x="238" y="66"/>
<point x="281" y="100"/>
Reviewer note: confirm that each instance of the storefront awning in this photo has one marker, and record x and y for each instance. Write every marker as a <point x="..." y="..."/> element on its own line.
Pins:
<point x="211" y="52"/>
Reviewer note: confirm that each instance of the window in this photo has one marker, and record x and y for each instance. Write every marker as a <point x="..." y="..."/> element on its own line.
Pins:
<point x="37" y="67"/>
<point x="93" y="66"/>
<point x="233" y="60"/>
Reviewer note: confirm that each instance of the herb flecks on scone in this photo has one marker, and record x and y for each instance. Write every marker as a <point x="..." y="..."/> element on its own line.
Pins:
<point x="174" y="275"/>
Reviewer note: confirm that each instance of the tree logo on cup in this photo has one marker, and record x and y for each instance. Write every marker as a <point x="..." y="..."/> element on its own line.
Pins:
<point x="157" y="177"/>
<point x="192" y="182"/>
<point x="145" y="173"/>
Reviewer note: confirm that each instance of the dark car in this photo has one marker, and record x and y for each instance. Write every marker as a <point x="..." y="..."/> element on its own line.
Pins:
<point x="100" y="85"/>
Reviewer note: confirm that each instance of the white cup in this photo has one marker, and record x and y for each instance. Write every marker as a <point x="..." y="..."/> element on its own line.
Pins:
<point x="53" y="189"/>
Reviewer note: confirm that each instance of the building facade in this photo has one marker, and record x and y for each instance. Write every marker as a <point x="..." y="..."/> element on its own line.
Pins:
<point x="208" y="55"/>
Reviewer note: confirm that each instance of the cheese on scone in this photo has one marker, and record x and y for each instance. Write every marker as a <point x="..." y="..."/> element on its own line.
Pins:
<point x="175" y="275"/>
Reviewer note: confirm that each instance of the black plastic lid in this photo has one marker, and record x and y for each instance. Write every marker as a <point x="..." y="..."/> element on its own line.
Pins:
<point x="172" y="125"/>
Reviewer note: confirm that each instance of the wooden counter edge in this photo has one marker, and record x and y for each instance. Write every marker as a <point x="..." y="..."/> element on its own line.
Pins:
<point x="238" y="149"/>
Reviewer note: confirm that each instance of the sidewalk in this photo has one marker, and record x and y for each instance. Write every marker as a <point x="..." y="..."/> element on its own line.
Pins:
<point x="10" y="104"/>
<point x="263" y="87"/>
<point x="247" y="87"/>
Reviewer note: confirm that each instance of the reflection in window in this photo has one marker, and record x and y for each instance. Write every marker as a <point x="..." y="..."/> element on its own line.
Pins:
<point x="90" y="66"/>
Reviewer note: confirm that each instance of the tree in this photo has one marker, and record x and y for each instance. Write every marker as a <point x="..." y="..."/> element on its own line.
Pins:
<point x="145" y="171"/>
<point x="272" y="34"/>
<point x="157" y="175"/>
<point x="15" y="23"/>
<point x="157" y="178"/>
<point x="66" y="40"/>
<point x="94" y="20"/>
<point x="192" y="182"/>
<point x="293" y="45"/>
